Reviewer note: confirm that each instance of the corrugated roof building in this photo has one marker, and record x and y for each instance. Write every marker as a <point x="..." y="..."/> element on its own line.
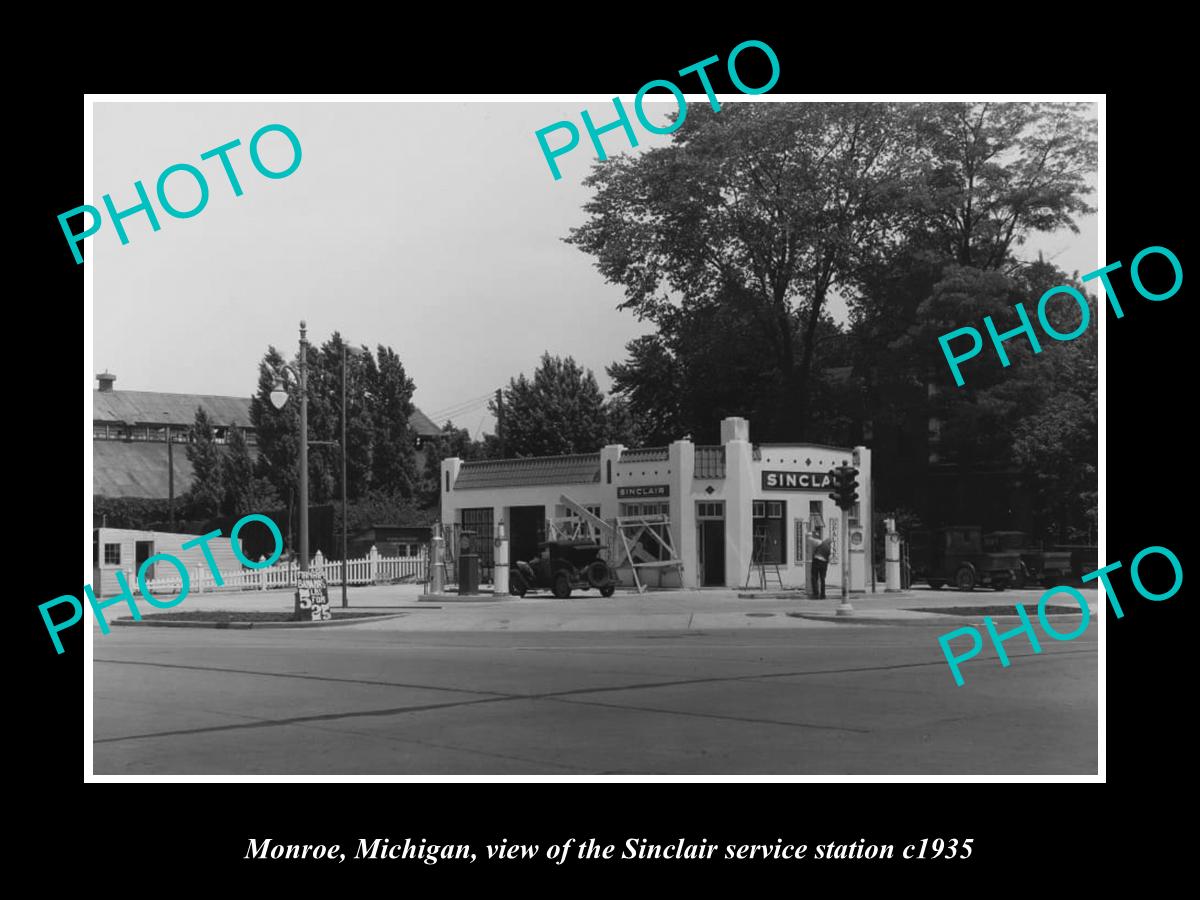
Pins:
<point x="130" y="431"/>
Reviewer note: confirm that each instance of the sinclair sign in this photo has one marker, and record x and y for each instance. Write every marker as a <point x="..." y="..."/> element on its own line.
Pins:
<point x="643" y="490"/>
<point x="796" y="481"/>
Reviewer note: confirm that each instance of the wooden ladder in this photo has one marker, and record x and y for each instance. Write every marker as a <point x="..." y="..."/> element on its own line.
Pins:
<point x="764" y="568"/>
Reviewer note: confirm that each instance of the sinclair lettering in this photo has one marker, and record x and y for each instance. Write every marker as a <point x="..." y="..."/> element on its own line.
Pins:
<point x="796" y="481"/>
<point x="644" y="490"/>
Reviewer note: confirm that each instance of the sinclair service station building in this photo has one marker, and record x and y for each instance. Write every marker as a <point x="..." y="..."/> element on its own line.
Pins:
<point x="684" y="515"/>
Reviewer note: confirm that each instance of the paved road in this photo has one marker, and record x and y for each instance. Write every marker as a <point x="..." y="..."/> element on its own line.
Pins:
<point x="810" y="698"/>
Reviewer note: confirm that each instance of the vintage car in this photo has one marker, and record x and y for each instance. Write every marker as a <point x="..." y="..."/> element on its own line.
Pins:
<point x="1038" y="566"/>
<point x="562" y="567"/>
<point x="955" y="555"/>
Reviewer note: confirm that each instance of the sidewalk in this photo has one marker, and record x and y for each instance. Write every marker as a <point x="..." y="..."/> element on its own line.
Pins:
<point x="625" y="611"/>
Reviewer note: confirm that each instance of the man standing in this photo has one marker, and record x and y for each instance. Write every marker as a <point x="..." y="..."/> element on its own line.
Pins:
<point x="821" y="551"/>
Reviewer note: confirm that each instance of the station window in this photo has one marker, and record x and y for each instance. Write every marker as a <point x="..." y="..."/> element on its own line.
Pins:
<point x="112" y="554"/>
<point x="710" y="509"/>
<point x="584" y="527"/>
<point x="770" y="530"/>
<point x="645" y="509"/>
<point x="816" y="514"/>
<point x="652" y="546"/>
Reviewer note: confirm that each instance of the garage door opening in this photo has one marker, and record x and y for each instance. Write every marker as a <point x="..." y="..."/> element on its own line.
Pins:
<point x="526" y="529"/>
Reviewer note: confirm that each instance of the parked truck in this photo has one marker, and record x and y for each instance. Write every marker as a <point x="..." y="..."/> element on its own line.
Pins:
<point x="1037" y="565"/>
<point x="955" y="555"/>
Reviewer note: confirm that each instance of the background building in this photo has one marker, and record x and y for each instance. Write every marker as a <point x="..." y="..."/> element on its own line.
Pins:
<point x="131" y="457"/>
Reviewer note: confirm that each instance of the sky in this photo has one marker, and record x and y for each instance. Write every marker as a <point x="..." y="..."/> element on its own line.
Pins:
<point x="433" y="228"/>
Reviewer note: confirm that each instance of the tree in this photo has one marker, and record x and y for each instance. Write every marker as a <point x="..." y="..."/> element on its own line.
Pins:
<point x="620" y="424"/>
<point x="561" y="410"/>
<point x="277" y="429"/>
<point x="767" y="208"/>
<point x="650" y="382"/>
<point x="204" y="496"/>
<point x="380" y="443"/>
<point x="1036" y="417"/>
<point x="360" y="424"/>
<point x="237" y="475"/>
<point x="451" y="442"/>
<point x="243" y="491"/>
<point x="394" y="465"/>
<point x="992" y="173"/>
<point x="989" y="176"/>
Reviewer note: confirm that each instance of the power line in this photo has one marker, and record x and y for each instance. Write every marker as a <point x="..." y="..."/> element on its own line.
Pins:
<point x="460" y="414"/>
<point x="463" y="407"/>
<point x="459" y="409"/>
<point x="453" y="406"/>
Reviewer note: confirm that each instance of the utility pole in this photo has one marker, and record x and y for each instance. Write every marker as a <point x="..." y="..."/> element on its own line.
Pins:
<point x="303" y="500"/>
<point x="845" y="608"/>
<point x="345" y="602"/>
<point x="170" y="480"/>
<point x="500" y="421"/>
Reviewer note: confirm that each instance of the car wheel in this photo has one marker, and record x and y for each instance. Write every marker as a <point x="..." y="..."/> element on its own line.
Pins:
<point x="964" y="579"/>
<point x="562" y="586"/>
<point x="597" y="573"/>
<point x="936" y="585"/>
<point x="516" y="584"/>
<point x="608" y="591"/>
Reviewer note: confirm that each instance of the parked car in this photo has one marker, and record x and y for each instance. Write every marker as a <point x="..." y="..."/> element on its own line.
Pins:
<point x="1037" y="566"/>
<point x="562" y="567"/>
<point x="955" y="555"/>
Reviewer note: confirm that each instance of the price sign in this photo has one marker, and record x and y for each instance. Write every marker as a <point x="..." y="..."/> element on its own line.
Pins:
<point x="312" y="597"/>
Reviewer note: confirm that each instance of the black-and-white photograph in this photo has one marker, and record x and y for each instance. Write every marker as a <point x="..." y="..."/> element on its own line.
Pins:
<point x="657" y="436"/>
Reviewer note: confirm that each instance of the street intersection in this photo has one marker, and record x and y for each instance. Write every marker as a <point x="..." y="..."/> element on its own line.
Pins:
<point x="663" y="683"/>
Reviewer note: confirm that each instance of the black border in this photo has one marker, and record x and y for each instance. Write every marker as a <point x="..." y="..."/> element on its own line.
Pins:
<point x="166" y="827"/>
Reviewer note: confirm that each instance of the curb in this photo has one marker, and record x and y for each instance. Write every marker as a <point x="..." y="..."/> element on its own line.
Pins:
<point x="184" y="623"/>
<point x="859" y="619"/>
<point x="470" y="598"/>
<point x="925" y="619"/>
<point x="802" y="594"/>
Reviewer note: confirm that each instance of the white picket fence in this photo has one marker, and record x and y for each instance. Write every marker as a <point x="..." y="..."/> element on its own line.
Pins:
<point x="371" y="569"/>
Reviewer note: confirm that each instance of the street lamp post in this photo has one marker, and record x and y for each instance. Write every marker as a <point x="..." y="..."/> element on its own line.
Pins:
<point x="303" y="447"/>
<point x="345" y="601"/>
<point x="279" y="397"/>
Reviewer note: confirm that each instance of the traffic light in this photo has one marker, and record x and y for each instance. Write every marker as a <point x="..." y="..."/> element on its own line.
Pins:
<point x="844" y="480"/>
<point x="849" y="487"/>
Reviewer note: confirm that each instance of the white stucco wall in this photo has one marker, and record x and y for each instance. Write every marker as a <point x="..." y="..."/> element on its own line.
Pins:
<point x="742" y="485"/>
